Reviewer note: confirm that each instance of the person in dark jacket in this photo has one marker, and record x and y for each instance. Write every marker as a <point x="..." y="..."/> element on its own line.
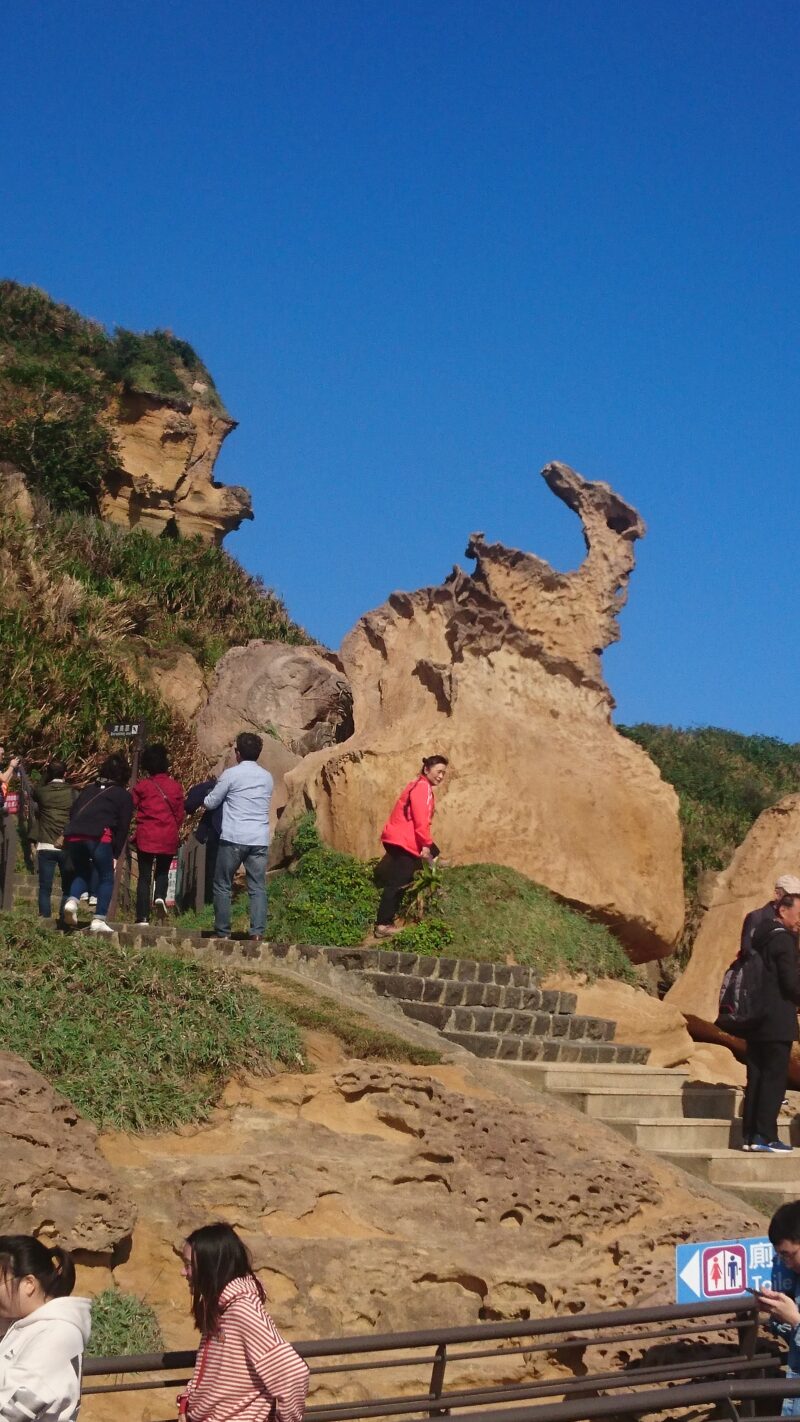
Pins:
<point x="208" y="831"/>
<point x="53" y="804"/>
<point x="158" y="800"/>
<point x="95" y="835"/>
<point x="769" y="1041"/>
<point x="785" y="884"/>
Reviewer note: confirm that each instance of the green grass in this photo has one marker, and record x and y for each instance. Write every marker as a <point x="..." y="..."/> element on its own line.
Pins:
<point x="123" y="1324"/>
<point x="323" y="1014"/>
<point x="481" y="911"/>
<point x="84" y="605"/>
<point x="136" y="1040"/>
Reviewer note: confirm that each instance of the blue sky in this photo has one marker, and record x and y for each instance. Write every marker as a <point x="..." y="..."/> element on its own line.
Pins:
<point x="426" y="247"/>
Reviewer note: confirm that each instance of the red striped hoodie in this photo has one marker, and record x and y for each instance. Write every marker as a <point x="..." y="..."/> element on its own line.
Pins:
<point x="246" y="1371"/>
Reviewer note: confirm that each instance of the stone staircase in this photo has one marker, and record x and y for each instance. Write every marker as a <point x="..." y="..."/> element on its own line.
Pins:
<point x="690" y="1124"/>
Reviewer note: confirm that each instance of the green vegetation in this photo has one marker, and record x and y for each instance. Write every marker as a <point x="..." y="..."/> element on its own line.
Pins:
<point x="323" y="1014"/>
<point x="724" y="780"/>
<point x="85" y="604"/>
<point x="58" y="374"/>
<point x="479" y="911"/>
<point x="123" y="1324"/>
<point x="136" y="1040"/>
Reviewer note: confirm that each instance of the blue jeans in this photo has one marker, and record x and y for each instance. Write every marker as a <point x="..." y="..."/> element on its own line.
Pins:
<point x="791" y="1405"/>
<point x="86" y="855"/>
<point x="229" y="857"/>
<point x="48" y="860"/>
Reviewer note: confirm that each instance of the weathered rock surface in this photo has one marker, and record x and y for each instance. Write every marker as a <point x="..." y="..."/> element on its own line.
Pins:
<point x="298" y="694"/>
<point x="168" y="451"/>
<point x="176" y="676"/>
<point x="500" y="671"/>
<point x="54" y="1181"/>
<point x="380" y="1198"/>
<point x="296" y="698"/>
<point x="641" y="1019"/>
<point x="771" y="848"/>
<point x="14" y="494"/>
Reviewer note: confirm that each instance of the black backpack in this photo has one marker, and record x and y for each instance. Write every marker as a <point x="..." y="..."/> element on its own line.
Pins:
<point x="741" y="997"/>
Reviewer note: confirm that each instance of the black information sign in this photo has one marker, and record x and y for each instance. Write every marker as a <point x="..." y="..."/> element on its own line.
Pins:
<point x="126" y="729"/>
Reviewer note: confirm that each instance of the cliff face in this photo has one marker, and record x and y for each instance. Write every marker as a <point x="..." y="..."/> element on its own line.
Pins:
<point x="167" y="454"/>
<point x="500" y="671"/>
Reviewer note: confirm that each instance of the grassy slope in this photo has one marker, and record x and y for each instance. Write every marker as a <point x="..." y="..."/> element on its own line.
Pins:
<point x="135" y="1040"/>
<point x="482" y="911"/>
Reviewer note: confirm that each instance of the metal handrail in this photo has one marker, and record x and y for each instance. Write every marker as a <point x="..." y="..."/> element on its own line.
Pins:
<point x="429" y="1348"/>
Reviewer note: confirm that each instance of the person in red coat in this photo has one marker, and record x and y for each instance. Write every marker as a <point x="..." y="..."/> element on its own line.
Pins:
<point x="158" y="801"/>
<point x="407" y="841"/>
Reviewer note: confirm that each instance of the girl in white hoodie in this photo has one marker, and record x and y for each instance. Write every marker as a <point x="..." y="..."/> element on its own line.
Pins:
<point x="41" y="1352"/>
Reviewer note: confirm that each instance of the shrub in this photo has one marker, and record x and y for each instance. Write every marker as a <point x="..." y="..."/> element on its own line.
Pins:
<point x="136" y="1040"/>
<point x="122" y="1324"/>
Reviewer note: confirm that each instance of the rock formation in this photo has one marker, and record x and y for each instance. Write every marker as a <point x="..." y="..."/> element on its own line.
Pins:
<point x="168" y="450"/>
<point x="296" y="698"/>
<point x="500" y="670"/>
<point x="53" y="1180"/>
<point x="472" y="1198"/>
<point x="771" y="848"/>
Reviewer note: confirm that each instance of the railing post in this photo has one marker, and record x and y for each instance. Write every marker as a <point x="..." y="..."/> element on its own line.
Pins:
<point x="748" y="1339"/>
<point x="437" y="1381"/>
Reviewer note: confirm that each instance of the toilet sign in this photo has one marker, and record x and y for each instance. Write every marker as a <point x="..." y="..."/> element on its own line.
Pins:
<point x="722" y="1268"/>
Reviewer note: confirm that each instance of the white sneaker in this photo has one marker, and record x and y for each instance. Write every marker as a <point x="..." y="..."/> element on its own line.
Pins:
<point x="99" y="925"/>
<point x="93" y="901"/>
<point x="142" y="923"/>
<point x="84" y="899"/>
<point x="160" y="910"/>
<point x="70" y="912"/>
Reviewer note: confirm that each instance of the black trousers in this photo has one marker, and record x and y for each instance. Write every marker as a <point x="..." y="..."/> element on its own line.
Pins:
<point x="395" y="872"/>
<point x="767" y="1072"/>
<point x="144" y="888"/>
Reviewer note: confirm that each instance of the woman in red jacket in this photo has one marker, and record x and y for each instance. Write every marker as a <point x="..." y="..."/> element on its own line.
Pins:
<point x="158" y="801"/>
<point x="407" y="841"/>
<point x="244" y="1369"/>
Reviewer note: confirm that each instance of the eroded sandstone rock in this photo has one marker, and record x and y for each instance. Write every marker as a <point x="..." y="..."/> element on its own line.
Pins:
<point x="377" y="1198"/>
<point x="500" y="671"/>
<point x="771" y="848"/>
<point x="297" y="694"/>
<point x="168" y="451"/>
<point x="54" y="1181"/>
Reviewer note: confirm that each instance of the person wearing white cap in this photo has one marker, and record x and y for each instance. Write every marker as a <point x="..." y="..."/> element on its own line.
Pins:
<point x="769" y="1038"/>
<point x="784" y="884"/>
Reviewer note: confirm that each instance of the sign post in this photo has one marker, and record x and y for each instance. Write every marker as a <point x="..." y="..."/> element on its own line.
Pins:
<point x="134" y="731"/>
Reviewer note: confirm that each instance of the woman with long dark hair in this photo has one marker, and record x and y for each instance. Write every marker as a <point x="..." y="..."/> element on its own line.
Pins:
<point x="244" y="1370"/>
<point x="407" y="841"/>
<point x="41" y="1352"/>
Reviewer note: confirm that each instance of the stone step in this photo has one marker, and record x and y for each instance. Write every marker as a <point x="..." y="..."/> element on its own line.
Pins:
<point x="765" y="1198"/>
<point x="458" y="992"/>
<point x="569" y="1076"/>
<point x="665" y="1137"/>
<point x="464" y="970"/>
<point x="666" y="1103"/>
<point x="546" y="1049"/>
<point x="506" y="1023"/>
<point x="732" y="1168"/>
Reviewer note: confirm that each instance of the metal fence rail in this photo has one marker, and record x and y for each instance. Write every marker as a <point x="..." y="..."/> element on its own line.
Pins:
<point x="720" y="1343"/>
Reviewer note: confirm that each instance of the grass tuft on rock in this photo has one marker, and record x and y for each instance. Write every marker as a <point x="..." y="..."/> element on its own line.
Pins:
<point x="123" y="1324"/>
<point x="135" y="1040"/>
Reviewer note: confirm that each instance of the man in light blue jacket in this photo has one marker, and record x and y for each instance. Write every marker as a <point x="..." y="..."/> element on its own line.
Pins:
<point x="244" y="792"/>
